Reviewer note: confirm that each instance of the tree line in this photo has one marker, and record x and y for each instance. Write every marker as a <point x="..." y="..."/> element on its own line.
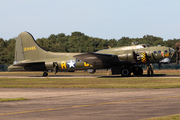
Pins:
<point x="79" y="42"/>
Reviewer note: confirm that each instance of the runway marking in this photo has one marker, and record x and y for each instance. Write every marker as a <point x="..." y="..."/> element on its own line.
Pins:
<point x="50" y="109"/>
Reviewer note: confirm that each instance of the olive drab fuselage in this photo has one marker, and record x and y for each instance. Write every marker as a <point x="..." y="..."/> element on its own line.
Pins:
<point x="31" y="57"/>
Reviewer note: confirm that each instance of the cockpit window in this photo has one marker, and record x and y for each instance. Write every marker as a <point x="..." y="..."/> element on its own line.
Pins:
<point x="159" y="51"/>
<point x="144" y="46"/>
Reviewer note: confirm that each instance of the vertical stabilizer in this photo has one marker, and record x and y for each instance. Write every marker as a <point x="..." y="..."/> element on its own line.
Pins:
<point x="27" y="48"/>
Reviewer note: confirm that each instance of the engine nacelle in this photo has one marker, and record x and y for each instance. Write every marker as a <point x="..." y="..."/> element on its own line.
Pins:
<point x="144" y="57"/>
<point x="128" y="55"/>
<point x="49" y="65"/>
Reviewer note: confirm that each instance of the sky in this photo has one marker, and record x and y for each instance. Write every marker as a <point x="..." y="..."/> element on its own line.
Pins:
<point x="107" y="19"/>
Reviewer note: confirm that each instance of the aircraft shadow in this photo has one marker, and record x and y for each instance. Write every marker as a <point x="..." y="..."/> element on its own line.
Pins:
<point x="145" y="75"/>
<point x="99" y="76"/>
<point x="71" y="76"/>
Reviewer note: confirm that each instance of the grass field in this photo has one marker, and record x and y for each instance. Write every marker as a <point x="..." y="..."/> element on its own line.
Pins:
<point x="98" y="72"/>
<point x="104" y="82"/>
<point x="148" y="83"/>
<point x="171" y="117"/>
<point x="11" y="99"/>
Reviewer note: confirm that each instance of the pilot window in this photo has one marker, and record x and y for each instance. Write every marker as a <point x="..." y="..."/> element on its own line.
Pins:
<point x="155" y="52"/>
<point x="144" y="46"/>
<point x="159" y="51"/>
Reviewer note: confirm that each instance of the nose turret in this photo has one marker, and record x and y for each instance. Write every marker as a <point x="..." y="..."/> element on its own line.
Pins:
<point x="171" y="52"/>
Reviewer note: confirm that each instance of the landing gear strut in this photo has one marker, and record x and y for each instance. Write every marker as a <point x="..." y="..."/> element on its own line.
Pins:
<point x="45" y="74"/>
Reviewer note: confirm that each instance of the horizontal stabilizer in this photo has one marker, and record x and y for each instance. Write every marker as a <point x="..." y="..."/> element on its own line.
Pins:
<point x="25" y="64"/>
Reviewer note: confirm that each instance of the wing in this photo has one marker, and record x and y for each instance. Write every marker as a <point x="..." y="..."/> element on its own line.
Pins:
<point x="99" y="59"/>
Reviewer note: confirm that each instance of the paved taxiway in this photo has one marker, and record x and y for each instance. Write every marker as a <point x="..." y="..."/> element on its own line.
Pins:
<point x="80" y="104"/>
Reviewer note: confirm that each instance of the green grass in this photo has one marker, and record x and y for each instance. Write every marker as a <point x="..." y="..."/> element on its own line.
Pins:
<point x="171" y="117"/>
<point x="11" y="99"/>
<point x="98" y="72"/>
<point x="114" y="82"/>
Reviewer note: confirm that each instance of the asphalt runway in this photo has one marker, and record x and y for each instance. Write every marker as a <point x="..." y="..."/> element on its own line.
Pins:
<point x="89" y="104"/>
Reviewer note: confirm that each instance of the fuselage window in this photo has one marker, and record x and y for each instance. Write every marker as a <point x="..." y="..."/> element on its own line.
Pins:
<point x="77" y="60"/>
<point x="155" y="52"/>
<point x="165" y="51"/>
<point x="159" y="51"/>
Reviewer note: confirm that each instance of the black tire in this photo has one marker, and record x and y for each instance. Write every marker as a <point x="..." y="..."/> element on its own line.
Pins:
<point x="148" y="72"/>
<point x="45" y="74"/>
<point x="125" y="72"/>
<point x="91" y="71"/>
<point x="138" y="71"/>
<point x="134" y="70"/>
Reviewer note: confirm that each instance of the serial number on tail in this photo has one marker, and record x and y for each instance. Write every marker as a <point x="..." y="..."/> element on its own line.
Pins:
<point x="29" y="48"/>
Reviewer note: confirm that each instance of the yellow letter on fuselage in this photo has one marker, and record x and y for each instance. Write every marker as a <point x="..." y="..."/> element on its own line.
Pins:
<point x="63" y="64"/>
<point x="86" y="64"/>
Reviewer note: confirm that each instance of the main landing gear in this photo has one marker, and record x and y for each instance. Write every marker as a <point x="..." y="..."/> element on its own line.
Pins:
<point x="45" y="74"/>
<point x="137" y="70"/>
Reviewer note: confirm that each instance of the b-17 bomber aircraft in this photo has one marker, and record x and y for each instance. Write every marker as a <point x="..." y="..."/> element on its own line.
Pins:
<point x="29" y="56"/>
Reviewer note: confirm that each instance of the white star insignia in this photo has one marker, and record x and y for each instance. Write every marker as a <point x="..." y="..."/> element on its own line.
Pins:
<point x="71" y="64"/>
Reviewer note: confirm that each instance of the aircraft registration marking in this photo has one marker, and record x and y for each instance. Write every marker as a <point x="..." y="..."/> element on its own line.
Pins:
<point x="63" y="64"/>
<point x="29" y="48"/>
<point x="86" y="64"/>
<point x="71" y="64"/>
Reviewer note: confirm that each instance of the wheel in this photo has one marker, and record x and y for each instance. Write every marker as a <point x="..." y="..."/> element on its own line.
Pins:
<point x="91" y="71"/>
<point x="45" y="74"/>
<point x="148" y="72"/>
<point x="140" y="71"/>
<point x="137" y="71"/>
<point x="125" y="72"/>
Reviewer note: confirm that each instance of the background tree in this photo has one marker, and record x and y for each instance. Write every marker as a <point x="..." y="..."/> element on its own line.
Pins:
<point x="79" y="42"/>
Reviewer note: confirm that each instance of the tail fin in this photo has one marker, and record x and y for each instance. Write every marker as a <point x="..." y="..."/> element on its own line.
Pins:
<point x="27" y="49"/>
